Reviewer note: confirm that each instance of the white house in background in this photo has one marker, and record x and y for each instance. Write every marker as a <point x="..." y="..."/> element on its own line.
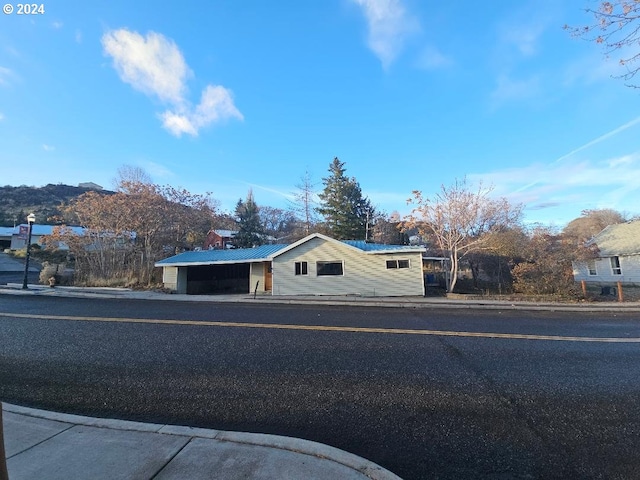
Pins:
<point x="618" y="257"/>
<point x="315" y="265"/>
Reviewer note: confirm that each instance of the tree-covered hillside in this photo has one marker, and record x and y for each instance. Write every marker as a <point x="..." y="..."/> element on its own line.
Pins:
<point x="17" y="202"/>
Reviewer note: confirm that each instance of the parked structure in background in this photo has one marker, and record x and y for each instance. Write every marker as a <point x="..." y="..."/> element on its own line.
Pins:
<point x="618" y="261"/>
<point x="15" y="238"/>
<point x="219" y="239"/>
<point x="314" y="265"/>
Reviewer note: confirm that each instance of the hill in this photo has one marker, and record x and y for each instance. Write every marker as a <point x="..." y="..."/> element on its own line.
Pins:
<point x="45" y="202"/>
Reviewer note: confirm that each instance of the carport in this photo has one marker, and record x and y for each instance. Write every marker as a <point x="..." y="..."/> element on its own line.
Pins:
<point x="211" y="279"/>
<point x="210" y="272"/>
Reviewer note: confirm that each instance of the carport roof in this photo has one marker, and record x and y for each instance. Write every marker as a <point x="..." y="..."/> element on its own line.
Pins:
<point x="211" y="257"/>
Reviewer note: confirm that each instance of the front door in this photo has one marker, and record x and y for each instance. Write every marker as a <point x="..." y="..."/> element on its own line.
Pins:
<point x="268" y="274"/>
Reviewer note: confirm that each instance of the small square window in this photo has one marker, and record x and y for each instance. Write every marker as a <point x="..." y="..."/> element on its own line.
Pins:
<point x="301" y="268"/>
<point x="397" y="263"/>
<point x="591" y="265"/>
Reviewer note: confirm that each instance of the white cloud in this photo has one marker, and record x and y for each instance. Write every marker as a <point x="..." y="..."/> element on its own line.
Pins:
<point x="155" y="66"/>
<point x="57" y="25"/>
<point x="48" y="148"/>
<point x="389" y="25"/>
<point x="78" y="36"/>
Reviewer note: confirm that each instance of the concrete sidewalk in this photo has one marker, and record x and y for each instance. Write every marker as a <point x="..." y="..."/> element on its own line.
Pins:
<point x="54" y="446"/>
<point x="347" y="300"/>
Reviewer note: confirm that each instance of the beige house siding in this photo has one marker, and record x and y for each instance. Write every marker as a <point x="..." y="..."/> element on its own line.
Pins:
<point x="170" y="277"/>
<point x="256" y="275"/>
<point x="364" y="274"/>
<point x="629" y="267"/>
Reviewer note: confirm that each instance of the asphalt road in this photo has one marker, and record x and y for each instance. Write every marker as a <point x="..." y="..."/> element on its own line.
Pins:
<point x="422" y="404"/>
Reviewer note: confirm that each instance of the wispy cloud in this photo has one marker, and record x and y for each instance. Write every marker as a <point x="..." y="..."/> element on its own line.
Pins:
<point x="6" y="75"/>
<point x="601" y="138"/>
<point x="432" y="59"/>
<point x="57" y="25"/>
<point x="509" y="90"/>
<point x="607" y="182"/>
<point x="155" y="66"/>
<point x="2" y="117"/>
<point x="48" y="148"/>
<point x="389" y="26"/>
<point x="525" y="37"/>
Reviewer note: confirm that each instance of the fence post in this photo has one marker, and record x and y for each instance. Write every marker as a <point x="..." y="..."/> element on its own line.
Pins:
<point x="4" y="474"/>
<point x="583" y="284"/>
<point x="620" y="294"/>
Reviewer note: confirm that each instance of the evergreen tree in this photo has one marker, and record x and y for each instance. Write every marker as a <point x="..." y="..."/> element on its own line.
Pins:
<point x="346" y="212"/>
<point x="250" y="231"/>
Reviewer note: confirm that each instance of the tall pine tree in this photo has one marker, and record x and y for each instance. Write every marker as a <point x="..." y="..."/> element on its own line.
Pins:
<point x="250" y="231"/>
<point x="346" y="212"/>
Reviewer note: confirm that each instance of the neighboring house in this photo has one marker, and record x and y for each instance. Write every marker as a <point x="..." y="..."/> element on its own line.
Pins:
<point x="20" y="233"/>
<point x="314" y="265"/>
<point x="618" y="256"/>
<point x="5" y="237"/>
<point x="219" y="239"/>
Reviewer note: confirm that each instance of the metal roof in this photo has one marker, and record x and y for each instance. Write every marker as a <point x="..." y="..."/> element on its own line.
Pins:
<point x="209" y="257"/>
<point x="380" y="248"/>
<point x="38" y="229"/>
<point x="619" y="239"/>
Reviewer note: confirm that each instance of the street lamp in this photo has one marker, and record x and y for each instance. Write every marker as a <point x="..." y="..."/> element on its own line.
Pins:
<point x="30" y="220"/>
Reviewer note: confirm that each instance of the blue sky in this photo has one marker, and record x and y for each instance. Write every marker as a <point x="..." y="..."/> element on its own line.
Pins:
<point x="223" y="96"/>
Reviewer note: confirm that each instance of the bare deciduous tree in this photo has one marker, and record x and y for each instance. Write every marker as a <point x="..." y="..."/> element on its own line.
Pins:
<point x="459" y="219"/>
<point x="617" y="29"/>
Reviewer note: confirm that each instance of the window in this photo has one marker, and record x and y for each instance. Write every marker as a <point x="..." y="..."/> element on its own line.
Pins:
<point x="329" y="268"/>
<point x="301" y="268"/>
<point x="615" y="266"/>
<point x="397" y="263"/>
<point x="591" y="265"/>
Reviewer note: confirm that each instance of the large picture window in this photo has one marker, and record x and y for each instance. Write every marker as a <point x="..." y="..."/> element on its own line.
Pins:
<point x="329" y="268"/>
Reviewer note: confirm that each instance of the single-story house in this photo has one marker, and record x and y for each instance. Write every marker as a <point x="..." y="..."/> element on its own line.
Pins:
<point x="314" y="265"/>
<point x="618" y="256"/>
<point x="17" y="236"/>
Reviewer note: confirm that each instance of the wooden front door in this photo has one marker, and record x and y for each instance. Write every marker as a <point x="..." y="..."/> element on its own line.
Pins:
<point x="268" y="274"/>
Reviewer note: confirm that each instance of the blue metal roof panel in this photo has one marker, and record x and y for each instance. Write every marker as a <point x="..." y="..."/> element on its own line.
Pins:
<point x="377" y="247"/>
<point x="238" y="255"/>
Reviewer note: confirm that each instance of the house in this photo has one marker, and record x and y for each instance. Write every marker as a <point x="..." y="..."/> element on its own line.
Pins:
<point x="618" y="257"/>
<point x="219" y="239"/>
<point x="19" y="235"/>
<point x="314" y="265"/>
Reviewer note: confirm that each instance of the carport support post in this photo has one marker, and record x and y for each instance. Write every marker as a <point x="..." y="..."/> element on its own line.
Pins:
<point x="620" y="294"/>
<point x="4" y="474"/>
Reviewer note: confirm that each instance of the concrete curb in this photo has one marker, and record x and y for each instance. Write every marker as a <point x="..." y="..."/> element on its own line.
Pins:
<point x="296" y="445"/>
<point x="379" y="302"/>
